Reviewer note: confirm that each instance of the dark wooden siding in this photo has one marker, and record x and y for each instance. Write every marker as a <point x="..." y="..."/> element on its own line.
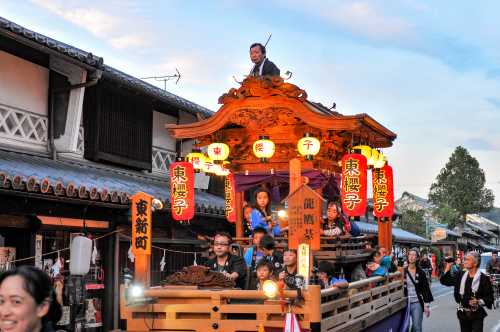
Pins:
<point x="118" y="127"/>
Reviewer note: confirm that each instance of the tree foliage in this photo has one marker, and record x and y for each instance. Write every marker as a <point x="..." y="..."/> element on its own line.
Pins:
<point x="446" y="215"/>
<point x="461" y="185"/>
<point x="413" y="221"/>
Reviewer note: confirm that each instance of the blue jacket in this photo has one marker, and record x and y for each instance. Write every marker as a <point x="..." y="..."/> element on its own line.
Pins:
<point x="258" y="220"/>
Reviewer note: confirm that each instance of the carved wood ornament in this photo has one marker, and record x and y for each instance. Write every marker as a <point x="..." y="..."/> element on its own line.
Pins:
<point x="280" y="110"/>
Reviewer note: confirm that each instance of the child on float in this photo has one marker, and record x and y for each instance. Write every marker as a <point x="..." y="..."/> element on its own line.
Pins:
<point x="261" y="213"/>
<point x="264" y="272"/>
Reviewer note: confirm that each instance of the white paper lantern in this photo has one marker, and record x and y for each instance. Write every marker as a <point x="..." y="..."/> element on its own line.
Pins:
<point x="80" y="253"/>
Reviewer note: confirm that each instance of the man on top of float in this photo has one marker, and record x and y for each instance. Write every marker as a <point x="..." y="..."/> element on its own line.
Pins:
<point x="263" y="66"/>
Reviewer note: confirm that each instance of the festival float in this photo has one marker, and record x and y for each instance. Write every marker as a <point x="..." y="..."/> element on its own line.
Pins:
<point x="268" y="133"/>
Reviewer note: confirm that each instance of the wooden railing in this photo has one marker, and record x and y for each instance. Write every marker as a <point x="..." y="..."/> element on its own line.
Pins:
<point x="363" y="304"/>
<point x="216" y="311"/>
<point x="342" y="248"/>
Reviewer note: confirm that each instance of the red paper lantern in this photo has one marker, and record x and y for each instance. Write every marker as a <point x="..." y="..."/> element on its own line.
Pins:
<point x="182" y="190"/>
<point x="383" y="192"/>
<point x="230" y="198"/>
<point x="354" y="184"/>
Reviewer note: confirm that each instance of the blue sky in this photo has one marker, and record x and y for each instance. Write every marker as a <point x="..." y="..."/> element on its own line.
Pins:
<point x="428" y="70"/>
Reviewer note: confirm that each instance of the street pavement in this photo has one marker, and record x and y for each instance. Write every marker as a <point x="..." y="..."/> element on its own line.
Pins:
<point x="443" y="313"/>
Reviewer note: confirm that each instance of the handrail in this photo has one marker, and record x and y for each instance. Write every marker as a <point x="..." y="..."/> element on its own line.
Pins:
<point x="208" y="293"/>
<point x="359" y="284"/>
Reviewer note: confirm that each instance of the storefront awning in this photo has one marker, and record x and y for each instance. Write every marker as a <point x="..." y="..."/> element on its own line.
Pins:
<point x="86" y="181"/>
<point x="399" y="235"/>
<point x="488" y="247"/>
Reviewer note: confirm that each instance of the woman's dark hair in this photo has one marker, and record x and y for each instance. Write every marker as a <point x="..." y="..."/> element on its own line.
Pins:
<point x="417" y="261"/>
<point x="262" y="47"/>
<point x="268" y="207"/>
<point x="37" y="284"/>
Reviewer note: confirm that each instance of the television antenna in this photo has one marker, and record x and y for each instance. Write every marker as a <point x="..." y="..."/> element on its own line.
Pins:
<point x="165" y="78"/>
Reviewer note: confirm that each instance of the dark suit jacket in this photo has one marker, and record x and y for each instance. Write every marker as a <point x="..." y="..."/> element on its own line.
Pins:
<point x="269" y="69"/>
<point x="484" y="292"/>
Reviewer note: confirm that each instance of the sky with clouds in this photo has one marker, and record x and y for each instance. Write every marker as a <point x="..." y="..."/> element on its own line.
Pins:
<point x="428" y="70"/>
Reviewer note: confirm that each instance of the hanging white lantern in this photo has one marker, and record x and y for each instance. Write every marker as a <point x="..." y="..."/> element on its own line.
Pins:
<point x="263" y="148"/>
<point x="80" y="254"/>
<point x="308" y="146"/>
<point x="218" y="152"/>
<point x="208" y="166"/>
<point x="196" y="157"/>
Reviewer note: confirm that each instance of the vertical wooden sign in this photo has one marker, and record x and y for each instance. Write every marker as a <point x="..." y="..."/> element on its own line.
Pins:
<point x="230" y="198"/>
<point x="141" y="235"/>
<point x="304" y="261"/>
<point x="304" y="217"/>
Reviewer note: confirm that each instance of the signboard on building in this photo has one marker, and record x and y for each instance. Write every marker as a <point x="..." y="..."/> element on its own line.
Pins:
<point x="141" y="223"/>
<point x="182" y="190"/>
<point x="354" y="184"/>
<point x="304" y="217"/>
<point x="438" y="234"/>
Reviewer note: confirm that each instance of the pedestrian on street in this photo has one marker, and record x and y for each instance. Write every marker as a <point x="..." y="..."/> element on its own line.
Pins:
<point x="493" y="266"/>
<point x="473" y="292"/>
<point x="417" y="290"/>
<point x="27" y="301"/>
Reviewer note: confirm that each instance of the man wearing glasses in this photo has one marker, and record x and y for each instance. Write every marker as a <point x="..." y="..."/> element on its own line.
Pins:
<point x="233" y="267"/>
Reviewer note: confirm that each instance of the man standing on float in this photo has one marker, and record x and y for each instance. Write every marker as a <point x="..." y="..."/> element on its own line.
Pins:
<point x="263" y="66"/>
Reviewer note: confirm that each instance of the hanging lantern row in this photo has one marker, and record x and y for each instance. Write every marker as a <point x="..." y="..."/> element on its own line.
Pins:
<point x="308" y="146"/>
<point x="203" y="163"/>
<point x="375" y="158"/>
<point x="197" y="158"/>
<point x="354" y="184"/>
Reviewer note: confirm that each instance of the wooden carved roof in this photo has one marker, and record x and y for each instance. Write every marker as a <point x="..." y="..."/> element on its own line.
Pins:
<point x="281" y="111"/>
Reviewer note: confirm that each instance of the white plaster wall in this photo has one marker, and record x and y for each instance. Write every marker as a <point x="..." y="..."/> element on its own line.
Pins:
<point x="161" y="138"/>
<point x="23" y="84"/>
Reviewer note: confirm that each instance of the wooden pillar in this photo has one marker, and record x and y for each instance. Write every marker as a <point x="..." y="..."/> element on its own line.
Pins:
<point x="142" y="272"/>
<point x="385" y="234"/>
<point x="295" y="174"/>
<point x="239" y="213"/>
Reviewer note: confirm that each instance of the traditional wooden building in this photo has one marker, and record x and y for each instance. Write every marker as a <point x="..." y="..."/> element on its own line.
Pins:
<point x="77" y="139"/>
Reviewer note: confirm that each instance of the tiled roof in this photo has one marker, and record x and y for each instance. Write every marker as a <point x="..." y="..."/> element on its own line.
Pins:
<point x="34" y="174"/>
<point x="87" y="58"/>
<point x="480" y="229"/>
<point x="399" y="234"/>
<point x="154" y="91"/>
<point x="65" y="49"/>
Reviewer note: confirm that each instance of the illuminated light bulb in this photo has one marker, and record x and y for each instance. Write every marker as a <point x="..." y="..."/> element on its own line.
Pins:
<point x="373" y="158"/>
<point x="270" y="289"/>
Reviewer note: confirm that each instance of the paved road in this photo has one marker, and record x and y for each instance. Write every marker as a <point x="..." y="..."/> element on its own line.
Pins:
<point x="443" y="313"/>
